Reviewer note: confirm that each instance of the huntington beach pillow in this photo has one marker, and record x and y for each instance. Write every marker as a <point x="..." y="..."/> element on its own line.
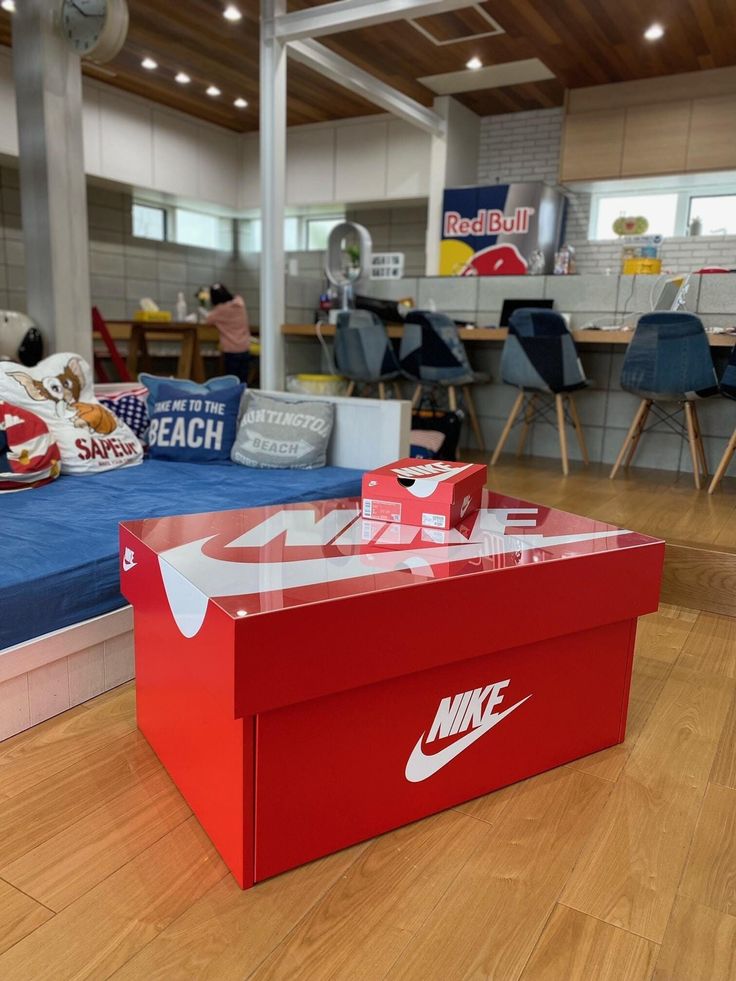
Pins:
<point x="277" y="433"/>
<point x="60" y="391"/>
<point x="193" y="428"/>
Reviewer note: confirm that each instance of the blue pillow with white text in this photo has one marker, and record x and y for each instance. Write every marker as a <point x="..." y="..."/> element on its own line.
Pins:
<point x="192" y="427"/>
<point x="154" y="382"/>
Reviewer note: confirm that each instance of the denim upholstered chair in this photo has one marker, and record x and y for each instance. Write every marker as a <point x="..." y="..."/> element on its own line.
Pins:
<point x="728" y="388"/>
<point x="363" y="351"/>
<point x="668" y="361"/>
<point x="540" y="359"/>
<point x="432" y="354"/>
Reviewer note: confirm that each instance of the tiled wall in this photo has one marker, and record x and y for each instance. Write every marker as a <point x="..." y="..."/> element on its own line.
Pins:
<point x="525" y="146"/>
<point x="606" y="411"/>
<point x="399" y="228"/>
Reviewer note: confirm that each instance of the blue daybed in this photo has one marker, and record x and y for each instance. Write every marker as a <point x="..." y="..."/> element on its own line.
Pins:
<point x="59" y="554"/>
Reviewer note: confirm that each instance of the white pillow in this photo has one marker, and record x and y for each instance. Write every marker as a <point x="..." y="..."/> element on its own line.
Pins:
<point x="60" y="390"/>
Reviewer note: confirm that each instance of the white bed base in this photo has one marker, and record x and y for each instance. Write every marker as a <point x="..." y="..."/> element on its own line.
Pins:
<point x="47" y="675"/>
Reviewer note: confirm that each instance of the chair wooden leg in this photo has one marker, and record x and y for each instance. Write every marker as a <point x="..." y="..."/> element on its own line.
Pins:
<point x="637" y="435"/>
<point x="559" y="403"/>
<point x="452" y="397"/>
<point x="723" y="465"/>
<point x="528" y="416"/>
<point x="416" y="396"/>
<point x="693" y="443"/>
<point x="699" y="441"/>
<point x="515" y="410"/>
<point x="350" y="389"/>
<point x="474" y="421"/>
<point x="641" y="413"/>
<point x="381" y="390"/>
<point x="578" y="428"/>
<point x="397" y="390"/>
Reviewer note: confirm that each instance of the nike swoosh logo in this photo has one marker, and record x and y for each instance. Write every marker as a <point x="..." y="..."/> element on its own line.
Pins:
<point x="426" y="486"/>
<point x="186" y="569"/>
<point x="420" y="767"/>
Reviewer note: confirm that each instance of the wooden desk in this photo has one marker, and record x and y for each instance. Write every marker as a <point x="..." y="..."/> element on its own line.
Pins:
<point x="190" y="356"/>
<point x="620" y="337"/>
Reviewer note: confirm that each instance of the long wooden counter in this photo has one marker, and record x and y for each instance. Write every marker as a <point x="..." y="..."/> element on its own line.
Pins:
<point x="499" y="334"/>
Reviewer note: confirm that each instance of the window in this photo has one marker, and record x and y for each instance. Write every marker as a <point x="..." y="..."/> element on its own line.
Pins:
<point x="318" y="231"/>
<point x="251" y="234"/>
<point x="717" y="213"/>
<point x="197" y="228"/>
<point x="660" y="210"/>
<point x="149" y="222"/>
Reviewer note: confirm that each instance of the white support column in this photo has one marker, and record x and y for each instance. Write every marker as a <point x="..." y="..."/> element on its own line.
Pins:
<point x="273" y="192"/>
<point x="453" y="163"/>
<point x="48" y="87"/>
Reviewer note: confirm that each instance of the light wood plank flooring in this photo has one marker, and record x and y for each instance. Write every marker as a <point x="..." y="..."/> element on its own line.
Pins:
<point x="654" y="502"/>
<point x="618" y="867"/>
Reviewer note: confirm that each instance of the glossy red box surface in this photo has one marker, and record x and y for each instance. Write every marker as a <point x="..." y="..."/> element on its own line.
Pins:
<point x="310" y="679"/>
<point x="428" y="493"/>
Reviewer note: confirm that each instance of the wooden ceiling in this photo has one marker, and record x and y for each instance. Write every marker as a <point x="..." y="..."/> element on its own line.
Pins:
<point x="583" y="42"/>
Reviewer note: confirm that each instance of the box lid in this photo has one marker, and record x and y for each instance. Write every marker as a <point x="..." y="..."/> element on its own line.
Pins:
<point x="259" y="560"/>
<point x="423" y="479"/>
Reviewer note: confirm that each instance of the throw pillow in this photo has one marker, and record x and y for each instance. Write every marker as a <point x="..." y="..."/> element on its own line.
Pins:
<point x="277" y="433"/>
<point x="154" y="382"/>
<point x="59" y="389"/>
<point x="193" y="428"/>
<point x="29" y="456"/>
<point x="130" y="406"/>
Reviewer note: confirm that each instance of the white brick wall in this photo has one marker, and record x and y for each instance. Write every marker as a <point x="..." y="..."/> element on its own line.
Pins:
<point x="525" y="146"/>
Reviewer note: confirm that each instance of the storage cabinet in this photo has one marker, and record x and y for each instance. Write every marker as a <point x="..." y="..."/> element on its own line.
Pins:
<point x="592" y="144"/>
<point x="639" y="138"/>
<point x="712" y="143"/>
<point x="655" y="139"/>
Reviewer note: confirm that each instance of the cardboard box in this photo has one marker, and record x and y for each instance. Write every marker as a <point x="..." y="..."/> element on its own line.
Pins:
<point x="428" y="493"/>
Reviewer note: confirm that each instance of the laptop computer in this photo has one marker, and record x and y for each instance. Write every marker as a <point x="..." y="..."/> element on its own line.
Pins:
<point x="509" y="306"/>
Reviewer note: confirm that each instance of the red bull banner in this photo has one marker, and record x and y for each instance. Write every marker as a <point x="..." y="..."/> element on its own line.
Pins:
<point x="500" y="230"/>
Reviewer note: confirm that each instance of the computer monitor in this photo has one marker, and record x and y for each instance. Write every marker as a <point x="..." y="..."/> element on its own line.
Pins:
<point x="672" y="295"/>
<point x="509" y="306"/>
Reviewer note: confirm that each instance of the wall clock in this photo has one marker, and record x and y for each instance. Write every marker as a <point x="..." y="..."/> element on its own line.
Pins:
<point x="94" y="28"/>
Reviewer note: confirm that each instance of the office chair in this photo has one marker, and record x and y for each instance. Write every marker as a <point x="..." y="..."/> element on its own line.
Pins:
<point x="539" y="358"/>
<point x="364" y="353"/>
<point x="432" y="354"/>
<point x="728" y="388"/>
<point x="668" y="361"/>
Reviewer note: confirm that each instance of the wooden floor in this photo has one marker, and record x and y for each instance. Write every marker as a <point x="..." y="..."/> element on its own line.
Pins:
<point x="655" y="502"/>
<point x="618" y="867"/>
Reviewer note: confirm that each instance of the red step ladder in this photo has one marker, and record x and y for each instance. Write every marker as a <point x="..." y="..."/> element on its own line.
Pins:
<point x="100" y="327"/>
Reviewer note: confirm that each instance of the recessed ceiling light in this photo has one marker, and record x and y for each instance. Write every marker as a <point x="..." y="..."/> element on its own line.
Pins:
<point x="232" y="13"/>
<point x="149" y="64"/>
<point x="241" y="103"/>
<point x="654" y="33"/>
<point x="213" y="91"/>
<point x="474" y="64"/>
<point x="8" y="5"/>
<point x="182" y="78"/>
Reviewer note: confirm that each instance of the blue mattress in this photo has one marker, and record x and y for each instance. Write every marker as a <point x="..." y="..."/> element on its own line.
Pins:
<point x="59" y="552"/>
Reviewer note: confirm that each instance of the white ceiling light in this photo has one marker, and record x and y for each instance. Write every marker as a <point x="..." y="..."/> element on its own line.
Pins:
<point x="149" y="64"/>
<point x="232" y="13"/>
<point x="474" y="64"/>
<point x="8" y="5"/>
<point x="654" y="33"/>
<point x="213" y="91"/>
<point x="241" y="103"/>
<point x="182" y="78"/>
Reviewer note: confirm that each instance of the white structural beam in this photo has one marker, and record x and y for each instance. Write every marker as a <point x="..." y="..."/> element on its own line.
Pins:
<point x="348" y="15"/>
<point x="273" y="192"/>
<point x="48" y="92"/>
<point x="338" y="69"/>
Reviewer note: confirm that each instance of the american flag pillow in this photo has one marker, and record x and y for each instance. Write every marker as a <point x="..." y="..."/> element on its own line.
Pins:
<point x="131" y="407"/>
<point x="29" y="456"/>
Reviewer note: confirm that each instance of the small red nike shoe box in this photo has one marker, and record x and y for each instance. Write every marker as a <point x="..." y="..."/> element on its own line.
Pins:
<point x="428" y="493"/>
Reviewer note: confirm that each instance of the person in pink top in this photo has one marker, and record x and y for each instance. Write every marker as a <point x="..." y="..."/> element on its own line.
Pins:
<point x="230" y="316"/>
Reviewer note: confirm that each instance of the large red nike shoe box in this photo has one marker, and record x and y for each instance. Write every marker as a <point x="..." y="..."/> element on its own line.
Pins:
<point x="310" y="679"/>
<point x="429" y="493"/>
